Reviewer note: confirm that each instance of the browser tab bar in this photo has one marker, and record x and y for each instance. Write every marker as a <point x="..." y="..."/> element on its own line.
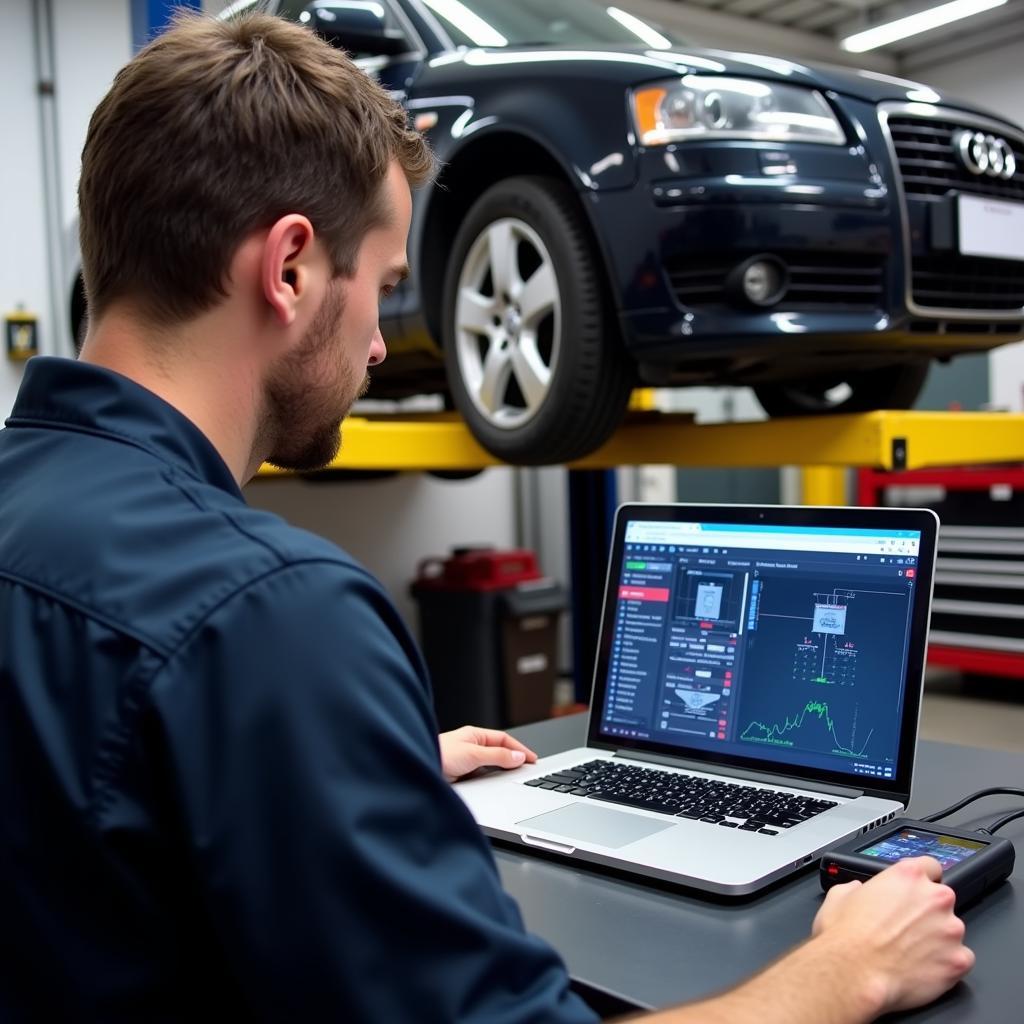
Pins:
<point x="883" y="543"/>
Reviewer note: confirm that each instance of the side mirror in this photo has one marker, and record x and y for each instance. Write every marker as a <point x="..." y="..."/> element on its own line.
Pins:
<point x="359" y="26"/>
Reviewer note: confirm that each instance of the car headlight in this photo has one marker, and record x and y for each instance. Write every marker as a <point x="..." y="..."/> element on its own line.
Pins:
<point x="709" y="107"/>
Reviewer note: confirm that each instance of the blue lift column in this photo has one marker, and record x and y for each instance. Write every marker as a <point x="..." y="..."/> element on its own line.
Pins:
<point x="151" y="17"/>
<point x="593" y="497"/>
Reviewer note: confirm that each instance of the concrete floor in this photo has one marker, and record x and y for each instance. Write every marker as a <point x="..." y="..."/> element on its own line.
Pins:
<point x="973" y="711"/>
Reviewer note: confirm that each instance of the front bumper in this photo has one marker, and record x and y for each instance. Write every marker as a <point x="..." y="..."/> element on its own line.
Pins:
<point x="838" y="219"/>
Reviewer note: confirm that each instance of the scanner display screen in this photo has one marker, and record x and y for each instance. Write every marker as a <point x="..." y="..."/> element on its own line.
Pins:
<point x="910" y="842"/>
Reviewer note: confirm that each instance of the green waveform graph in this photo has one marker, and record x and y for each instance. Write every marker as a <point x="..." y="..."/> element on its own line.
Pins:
<point x="758" y="732"/>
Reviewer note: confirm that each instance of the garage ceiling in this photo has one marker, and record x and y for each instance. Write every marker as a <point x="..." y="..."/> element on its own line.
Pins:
<point x="831" y="20"/>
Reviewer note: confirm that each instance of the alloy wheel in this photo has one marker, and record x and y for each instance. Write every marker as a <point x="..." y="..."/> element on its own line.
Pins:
<point x="508" y="323"/>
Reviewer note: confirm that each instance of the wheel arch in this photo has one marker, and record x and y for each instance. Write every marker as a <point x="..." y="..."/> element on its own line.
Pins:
<point x="493" y="156"/>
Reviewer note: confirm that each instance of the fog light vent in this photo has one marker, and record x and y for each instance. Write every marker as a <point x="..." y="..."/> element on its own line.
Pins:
<point x="759" y="281"/>
<point x="815" y="280"/>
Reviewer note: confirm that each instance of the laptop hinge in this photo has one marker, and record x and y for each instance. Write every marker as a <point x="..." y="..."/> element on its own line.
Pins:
<point x="741" y="773"/>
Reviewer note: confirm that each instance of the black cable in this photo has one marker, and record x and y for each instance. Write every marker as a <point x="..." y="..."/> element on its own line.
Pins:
<point x="993" y="791"/>
<point x="1000" y="822"/>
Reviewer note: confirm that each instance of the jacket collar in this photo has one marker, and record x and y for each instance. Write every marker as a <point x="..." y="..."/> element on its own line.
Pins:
<point x="65" y="394"/>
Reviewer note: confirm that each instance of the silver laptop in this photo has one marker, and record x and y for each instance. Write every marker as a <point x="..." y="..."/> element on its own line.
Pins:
<point x="756" y="696"/>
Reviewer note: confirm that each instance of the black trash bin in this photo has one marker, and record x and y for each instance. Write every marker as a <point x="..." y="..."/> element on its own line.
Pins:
<point x="489" y="632"/>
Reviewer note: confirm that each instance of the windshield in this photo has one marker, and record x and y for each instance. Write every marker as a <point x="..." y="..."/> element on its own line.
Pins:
<point x="569" y="23"/>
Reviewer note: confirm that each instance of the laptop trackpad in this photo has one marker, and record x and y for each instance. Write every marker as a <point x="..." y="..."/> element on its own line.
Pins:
<point x="589" y="824"/>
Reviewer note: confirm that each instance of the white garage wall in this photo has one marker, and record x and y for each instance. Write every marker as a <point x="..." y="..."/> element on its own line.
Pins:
<point x="1006" y="377"/>
<point x="89" y="43"/>
<point x="390" y="525"/>
<point x="23" y="272"/>
<point x="995" y="80"/>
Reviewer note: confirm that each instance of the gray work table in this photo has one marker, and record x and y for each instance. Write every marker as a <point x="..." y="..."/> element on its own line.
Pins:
<point x="655" y="947"/>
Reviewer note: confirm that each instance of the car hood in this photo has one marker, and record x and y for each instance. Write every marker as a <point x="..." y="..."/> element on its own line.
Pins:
<point x="638" y="65"/>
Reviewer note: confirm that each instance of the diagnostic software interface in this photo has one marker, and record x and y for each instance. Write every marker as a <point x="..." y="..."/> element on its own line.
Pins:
<point x="782" y="643"/>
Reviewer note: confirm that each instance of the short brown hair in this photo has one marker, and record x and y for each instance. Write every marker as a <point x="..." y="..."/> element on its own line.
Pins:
<point x="216" y="129"/>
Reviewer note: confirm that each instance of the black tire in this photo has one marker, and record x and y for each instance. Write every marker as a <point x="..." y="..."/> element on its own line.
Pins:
<point x="589" y="378"/>
<point x="454" y="474"/>
<point x="79" y="315"/>
<point x="890" y="387"/>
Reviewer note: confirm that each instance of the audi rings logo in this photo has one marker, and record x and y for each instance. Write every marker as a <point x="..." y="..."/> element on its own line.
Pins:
<point x="985" y="154"/>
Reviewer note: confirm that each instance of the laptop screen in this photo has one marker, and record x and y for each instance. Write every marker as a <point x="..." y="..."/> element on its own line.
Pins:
<point x="742" y="642"/>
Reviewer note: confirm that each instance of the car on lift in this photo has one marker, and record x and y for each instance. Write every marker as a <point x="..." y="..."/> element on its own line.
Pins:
<point x="615" y="209"/>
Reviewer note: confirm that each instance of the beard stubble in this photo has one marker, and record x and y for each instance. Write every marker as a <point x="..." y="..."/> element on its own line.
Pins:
<point x="307" y="395"/>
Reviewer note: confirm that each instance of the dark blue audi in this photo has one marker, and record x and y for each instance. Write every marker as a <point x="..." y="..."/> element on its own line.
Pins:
<point x="615" y="209"/>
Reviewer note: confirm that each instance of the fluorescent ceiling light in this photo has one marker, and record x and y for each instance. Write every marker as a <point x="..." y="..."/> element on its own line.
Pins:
<point x="654" y="39"/>
<point x="881" y="35"/>
<point x="470" y="24"/>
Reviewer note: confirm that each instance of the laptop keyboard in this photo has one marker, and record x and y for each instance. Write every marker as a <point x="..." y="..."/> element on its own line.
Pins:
<point x="729" y="804"/>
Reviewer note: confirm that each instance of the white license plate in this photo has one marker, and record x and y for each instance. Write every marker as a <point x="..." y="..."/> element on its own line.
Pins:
<point x="991" y="227"/>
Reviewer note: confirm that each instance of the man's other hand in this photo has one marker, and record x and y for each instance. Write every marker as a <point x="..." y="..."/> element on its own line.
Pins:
<point x="898" y="930"/>
<point x="466" y="749"/>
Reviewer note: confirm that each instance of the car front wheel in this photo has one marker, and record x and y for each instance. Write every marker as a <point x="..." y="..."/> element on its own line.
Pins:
<point x="533" y="356"/>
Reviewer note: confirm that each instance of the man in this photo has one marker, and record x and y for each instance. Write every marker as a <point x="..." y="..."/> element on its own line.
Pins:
<point x="221" y="794"/>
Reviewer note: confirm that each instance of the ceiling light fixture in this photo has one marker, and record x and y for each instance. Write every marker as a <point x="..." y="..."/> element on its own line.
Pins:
<point x="882" y="35"/>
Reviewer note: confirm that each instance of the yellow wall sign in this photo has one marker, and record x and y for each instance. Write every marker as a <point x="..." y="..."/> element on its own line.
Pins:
<point x="22" y="330"/>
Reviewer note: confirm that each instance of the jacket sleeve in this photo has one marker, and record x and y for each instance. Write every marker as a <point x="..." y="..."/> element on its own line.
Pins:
<point x="344" y="877"/>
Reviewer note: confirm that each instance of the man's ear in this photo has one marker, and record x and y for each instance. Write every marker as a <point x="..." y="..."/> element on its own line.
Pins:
<point x="285" y="273"/>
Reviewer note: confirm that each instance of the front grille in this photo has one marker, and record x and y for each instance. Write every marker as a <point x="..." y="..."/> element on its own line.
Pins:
<point x="929" y="164"/>
<point x="817" y="280"/>
<point x="968" y="282"/>
<point x="931" y="170"/>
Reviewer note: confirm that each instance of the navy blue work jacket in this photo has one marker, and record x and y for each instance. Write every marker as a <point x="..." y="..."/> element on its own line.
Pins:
<point x="220" y="794"/>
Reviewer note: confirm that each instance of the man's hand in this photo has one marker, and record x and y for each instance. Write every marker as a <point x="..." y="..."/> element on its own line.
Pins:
<point x="466" y="749"/>
<point x="899" y="930"/>
<point x="891" y="943"/>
